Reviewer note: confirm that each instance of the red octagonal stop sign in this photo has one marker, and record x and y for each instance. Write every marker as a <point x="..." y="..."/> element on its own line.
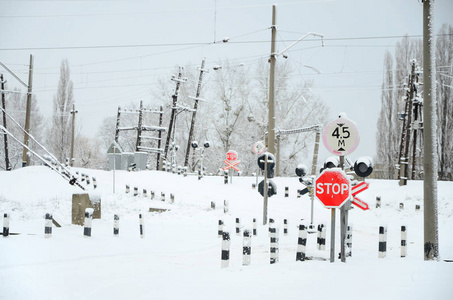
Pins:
<point x="332" y="188"/>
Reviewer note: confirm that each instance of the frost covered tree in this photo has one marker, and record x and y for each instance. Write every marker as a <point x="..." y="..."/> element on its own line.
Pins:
<point x="59" y="137"/>
<point x="16" y="104"/>
<point x="406" y="50"/>
<point x="444" y="62"/>
<point x="387" y="140"/>
<point x="295" y="107"/>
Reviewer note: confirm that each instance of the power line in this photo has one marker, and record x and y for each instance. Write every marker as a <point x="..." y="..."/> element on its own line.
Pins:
<point x="150" y="12"/>
<point x="208" y="43"/>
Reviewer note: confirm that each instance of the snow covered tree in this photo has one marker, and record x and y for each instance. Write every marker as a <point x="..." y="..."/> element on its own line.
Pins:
<point x="59" y="137"/>
<point x="16" y="103"/>
<point x="387" y="140"/>
<point x="444" y="62"/>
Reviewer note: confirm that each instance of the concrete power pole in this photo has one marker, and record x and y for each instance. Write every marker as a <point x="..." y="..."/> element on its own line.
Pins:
<point x="5" y="136"/>
<point x="73" y="112"/>
<point x="194" y="113"/>
<point x="404" y="160"/>
<point x="178" y="80"/>
<point x="431" y="239"/>
<point x="139" y="127"/>
<point x="25" y="157"/>
<point x="271" y="104"/>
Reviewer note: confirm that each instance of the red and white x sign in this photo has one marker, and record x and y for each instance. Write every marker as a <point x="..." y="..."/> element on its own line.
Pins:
<point x="231" y="164"/>
<point x="356" y="190"/>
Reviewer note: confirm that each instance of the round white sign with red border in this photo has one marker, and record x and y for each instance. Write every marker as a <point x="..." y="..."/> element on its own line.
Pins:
<point x="341" y="136"/>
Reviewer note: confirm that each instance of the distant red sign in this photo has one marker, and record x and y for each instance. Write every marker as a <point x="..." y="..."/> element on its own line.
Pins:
<point x="232" y="155"/>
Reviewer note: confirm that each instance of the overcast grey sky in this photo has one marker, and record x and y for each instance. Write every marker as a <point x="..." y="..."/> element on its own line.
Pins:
<point x="117" y="49"/>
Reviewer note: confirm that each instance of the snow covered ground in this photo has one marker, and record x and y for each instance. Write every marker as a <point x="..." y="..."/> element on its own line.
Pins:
<point x="179" y="257"/>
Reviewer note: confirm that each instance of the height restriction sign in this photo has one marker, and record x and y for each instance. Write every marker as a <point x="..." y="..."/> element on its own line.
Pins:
<point x="341" y="136"/>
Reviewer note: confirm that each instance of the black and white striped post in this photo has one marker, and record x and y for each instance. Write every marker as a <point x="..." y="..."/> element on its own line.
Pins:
<point x="116" y="225"/>
<point x="135" y="191"/>
<point x="382" y="241"/>
<point x="348" y="241"/>
<point x="220" y="231"/>
<point x="318" y="238"/>
<point x="128" y="189"/>
<point x="152" y="195"/>
<point x="225" y="177"/>
<point x="172" y="198"/>
<point x="95" y="184"/>
<point x="271" y="225"/>
<point x="48" y="226"/>
<point x="299" y="193"/>
<point x="322" y="240"/>
<point x="285" y="227"/>
<point x="286" y="191"/>
<point x="246" y="248"/>
<point x="274" y="232"/>
<point x="378" y="201"/>
<point x="301" y="243"/>
<point x="6" y="224"/>
<point x="403" y="241"/>
<point x="255" y="233"/>
<point x="88" y="221"/>
<point x="142" y="226"/>
<point x="226" y="206"/>
<point x="162" y="196"/>
<point x="213" y="205"/>
<point x="83" y="177"/>
<point x="88" y="179"/>
<point x="225" y="249"/>
<point x="145" y="193"/>
<point x="238" y="226"/>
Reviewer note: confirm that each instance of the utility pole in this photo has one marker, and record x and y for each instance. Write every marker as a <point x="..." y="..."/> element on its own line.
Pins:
<point x="5" y="136"/>
<point x="159" y="141"/>
<point x="431" y="239"/>
<point x="178" y="80"/>
<point x="271" y="104"/>
<point x="73" y="112"/>
<point x="416" y="125"/>
<point x="194" y="113"/>
<point x="117" y="129"/>
<point x="139" y="127"/>
<point x="315" y="152"/>
<point x="25" y="157"/>
<point x="405" y="158"/>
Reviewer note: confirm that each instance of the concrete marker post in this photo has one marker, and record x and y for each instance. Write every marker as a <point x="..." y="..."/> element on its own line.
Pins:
<point x="142" y="226"/>
<point x="301" y="243"/>
<point x="116" y="225"/>
<point x="382" y="241"/>
<point x="254" y="227"/>
<point x="48" y="226"/>
<point x="226" y="206"/>
<point x="220" y="231"/>
<point x="225" y="257"/>
<point x="88" y="222"/>
<point x="285" y="227"/>
<point x="274" y="239"/>
<point x="238" y="226"/>
<point x="6" y="224"/>
<point x="403" y="241"/>
<point x="246" y="248"/>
